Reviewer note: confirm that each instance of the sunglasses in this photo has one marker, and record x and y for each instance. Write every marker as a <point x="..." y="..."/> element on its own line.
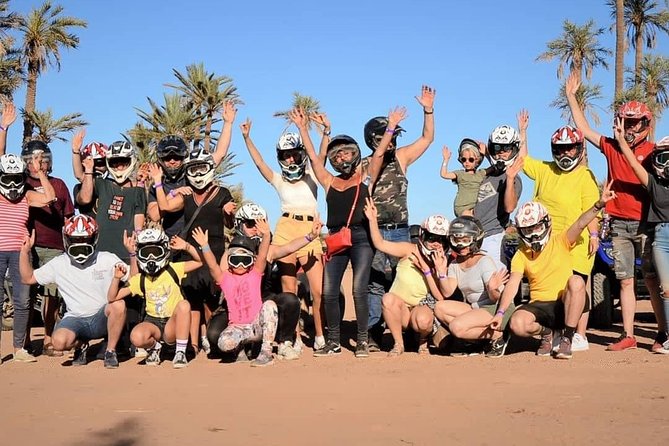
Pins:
<point x="471" y="160"/>
<point x="115" y="162"/>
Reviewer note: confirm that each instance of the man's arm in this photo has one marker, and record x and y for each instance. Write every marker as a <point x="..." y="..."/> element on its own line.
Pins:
<point x="574" y="231"/>
<point x="376" y="162"/>
<point x="77" y="166"/>
<point x="639" y="171"/>
<point x="85" y="195"/>
<point x="408" y="154"/>
<point x="571" y="87"/>
<point x="25" y="268"/>
<point x="510" y="196"/>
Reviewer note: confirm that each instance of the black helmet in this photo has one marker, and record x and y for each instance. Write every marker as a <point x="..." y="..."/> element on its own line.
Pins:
<point x="171" y="145"/>
<point x="374" y="130"/>
<point x="465" y="232"/>
<point x="339" y="143"/>
<point x="243" y="241"/>
<point x="35" y="147"/>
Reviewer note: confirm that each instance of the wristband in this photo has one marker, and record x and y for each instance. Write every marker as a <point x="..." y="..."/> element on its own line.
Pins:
<point x="594" y="234"/>
<point x="132" y="254"/>
<point x="76" y="152"/>
<point x="427" y="273"/>
<point x="157" y="185"/>
<point x="88" y="173"/>
<point x="205" y="248"/>
<point x="428" y="112"/>
<point x="326" y="133"/>
<point x="389" y="130"/>
<point x="442" y="276"/>
<point x="500" y="313"/>
<point x="308" y="237"/>
<point x="3" y="129"/>
<point x="598" y="206"/>
<point x="172" y="193"/>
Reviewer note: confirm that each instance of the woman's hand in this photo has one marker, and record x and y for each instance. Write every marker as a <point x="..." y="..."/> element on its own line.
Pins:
<point x="229" y="111"/>
<point x="230" y="207"/>
<point x="245" y="127"/>
<point x="155" y="172"/>
<point x="440" y="262"/>
<point x="498" y="278"/>
<point x="370" y="209"/>
<point x="316" y="227"/>
<point x="201" y="237"/>
<point x="130" y="242"/>
<point x="395" y="116"/>
<point x="322" y="120"/>
<point x="120" y="270"/>
<point x="298" y="118"/>
<point x="263" y="227"/>
<point x="426" y="98"/>
<point x="178" y="243"/>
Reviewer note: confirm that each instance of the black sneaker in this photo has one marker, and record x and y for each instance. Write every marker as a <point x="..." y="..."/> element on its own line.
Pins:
<point x="330" y="349"/>
<point x="80" y="355"/>
<point x="373" y="346"/>
<point x="111" y="361"/>
<point x="497" y="348"/>
<point x="362" y="350"/>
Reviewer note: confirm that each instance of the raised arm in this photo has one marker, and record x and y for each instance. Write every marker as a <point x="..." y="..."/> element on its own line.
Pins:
<point x="322" y="175"/>
<point x="202" y="239"/>
<point x="179" y="244"/>
<point x="8" y="118"/>
<point x="510" y="197"/>
<point x="85" y="195"/>
<point x="166" y="203"/>
<point x="445" y="174"/>
<point x="257" y="158"/>
<point x="263" y="249"/>
<point x="25" y="267"/>
<point x="396" y="249"/>
<point x="279" y="252"/>
<point x="322" y="120"/>
<point x="223" y="144"/>
<point x="574" y="231"/>
<point x="639" y="171"/>
<point x="523" y="122"/>
<point x="115" y="293"/>
<point x="571" y="88"/>
<point x="408" y="154"/>
<point x="77" y="142"/>
<point x="395" y="116"/>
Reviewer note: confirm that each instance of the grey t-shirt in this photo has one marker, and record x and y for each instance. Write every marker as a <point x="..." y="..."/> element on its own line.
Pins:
<point x="489" y="209"/>
<point x="658" y="211"/>
<point x="472" y="281"/>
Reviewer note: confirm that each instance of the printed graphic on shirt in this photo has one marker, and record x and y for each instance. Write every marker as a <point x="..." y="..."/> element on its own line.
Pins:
<point x="114" y="212"/>
<point x="486" y="191"/>
<point x="158" y="297"/>
<point x="242" y="300"/>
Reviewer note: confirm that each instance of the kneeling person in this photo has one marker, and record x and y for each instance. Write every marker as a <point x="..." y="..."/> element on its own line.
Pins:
<point x="83" y="275"/>
<point x="158" y="282"/>
<point x="557" y="296"/>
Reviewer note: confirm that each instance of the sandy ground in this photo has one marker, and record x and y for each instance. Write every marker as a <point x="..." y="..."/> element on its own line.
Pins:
<point x="598" y="397"/>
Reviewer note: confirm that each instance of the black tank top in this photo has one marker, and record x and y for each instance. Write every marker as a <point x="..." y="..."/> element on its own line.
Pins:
<point x="339" y="206"/>
<point x="210" y="218"/>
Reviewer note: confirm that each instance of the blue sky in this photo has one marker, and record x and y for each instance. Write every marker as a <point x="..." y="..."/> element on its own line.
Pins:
<point x="357" y="58"/>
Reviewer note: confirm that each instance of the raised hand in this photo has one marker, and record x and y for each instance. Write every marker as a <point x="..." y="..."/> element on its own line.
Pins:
<point x="572" y="84"/>
<point x="178" y="243"/>
<point x="619" y="129"/>
<point x="130" y="242"/>
<point x="36" y="162"/>
<point x="515" y="168"/>
<point x="316" y="227"/>
<point x="440" y="261"/>
<point x="263" y="227"/>
<point x="78" y="140"/>
<point x="607" y="193"/>
<point x="245" y="127"/>
<point x="426" y="98"/>
<point x="155" y="172"/>
<point x="120" y="271"/>
<point x="396" y="115"/>
<point x="201" y="237"/>
<point x="298" y="118"/>
<point x="498" y="278"/>
<point x="28" y="242"/>
<point x="230" y="207"/>
<point x="143" y="172"/>
<point x="446" y="153"/>
<point x="321" y="119"/>
<point x="370" y="209"/>
<point x="88" y="164"/>
<point x="8" y="114"/>
<point x="523" y="120"/>
<point x="418" y="261"/>
<point x="229" y="111"/>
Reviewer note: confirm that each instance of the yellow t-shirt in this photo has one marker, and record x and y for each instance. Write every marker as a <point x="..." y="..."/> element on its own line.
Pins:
<point x="566" y="195"/>
<point x="548" y="271"/>
<point x="162" y="294"/>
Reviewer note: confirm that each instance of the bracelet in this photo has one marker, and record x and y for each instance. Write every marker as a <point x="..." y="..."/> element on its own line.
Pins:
<point x="76" y="152"/>
<point x="205" y="248"/>
<point x="326" y="132"/>
<point x="442" y="276"/>
<point x="157" y="185"/>
<point x="598" y="206"/>
<point x="594" y="234"/>
<point x="3" y="129"/>
<point x="88" y="173"/>
<point x="428" y="112"/>
<point x="308" y="237"/>
<point x="500" y="313"/>
<point x="427" y="273"/>
<point x="172" y="193"/>
<point x="389" y="130"/>
<point x="132" y="254"/>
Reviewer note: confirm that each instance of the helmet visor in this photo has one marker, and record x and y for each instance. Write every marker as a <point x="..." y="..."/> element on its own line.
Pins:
<point x="241" y="258"/>
<point x="11" y="179"/>
<point x="536" y="230"/>
<point x="198" y="169"/>
<point x="461" y="240"/>
<point x="80" y="250"/>
<point x="297" y="155"/>
<point x="429" y="237"/>
<point x="661" y="159"/>
<point x="151" y="252"/>
<point x="496" y="149"/>
<point x="173" y="151"/>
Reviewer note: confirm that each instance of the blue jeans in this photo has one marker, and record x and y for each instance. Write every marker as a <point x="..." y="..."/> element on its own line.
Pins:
<point x="9" y="260"/>
<point x="360" y="255"/>
<point x="661" y="254"/>
<point x="383" y="274"/>
<point x="86" y="328"/>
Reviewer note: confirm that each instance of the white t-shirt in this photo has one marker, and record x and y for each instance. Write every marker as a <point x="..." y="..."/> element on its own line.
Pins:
<point x="83" y="287"/>
<point x="298" y="197"/>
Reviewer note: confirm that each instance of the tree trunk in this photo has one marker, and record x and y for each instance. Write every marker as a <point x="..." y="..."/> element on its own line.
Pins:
<point x="31" y="94"/>
<point x="620" y="46"/>
<point x="652" y="94"/>
<point x="207" y="131"/>
<point x="638" y="55"/>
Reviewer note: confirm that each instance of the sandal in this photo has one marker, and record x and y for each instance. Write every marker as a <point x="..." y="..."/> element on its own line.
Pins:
<point x="396" y="351"/>
<point x="423" y="349"/>
<point x="48" y="350"/>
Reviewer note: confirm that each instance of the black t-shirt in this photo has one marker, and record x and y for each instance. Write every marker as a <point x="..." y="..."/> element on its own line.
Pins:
<point x="173" y="222"/>
<point x="658" y="212"/>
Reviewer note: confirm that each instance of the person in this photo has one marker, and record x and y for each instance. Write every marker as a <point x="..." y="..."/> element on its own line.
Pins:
<point x="468" y="179"/>
<point x="297" y="190"/>
<point x="83" y="275"/>
<point x="477" y="276"/>
<point x="390" y="197"/>
<point x="551" y="180"/>
<point x="8" y="118"/>
<point x="239" y="275"/>
<point x="405" y="304"/>
<point x="657" y="184"/>
<point x="557" y="295"/>
<point x="48" y="223"/>
<point x="500" y="190"/>
<point x="15" y="203"/>
<point x="627" y="210"/>
<point x="96" y="151"/>
<point x="158" y="283"/>
<point x="206" y="206"/>
<point x="345" y="196"/>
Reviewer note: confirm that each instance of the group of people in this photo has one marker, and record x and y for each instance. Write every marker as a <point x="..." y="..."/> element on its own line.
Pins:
<point x="159" y="257"/>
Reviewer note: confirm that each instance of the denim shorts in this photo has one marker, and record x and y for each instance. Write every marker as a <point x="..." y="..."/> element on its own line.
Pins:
<point x="627" y="244"/>
<point x="660" y="250"/>
<point x="86" y="328"/>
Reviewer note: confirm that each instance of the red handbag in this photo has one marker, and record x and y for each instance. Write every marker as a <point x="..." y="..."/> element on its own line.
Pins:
<point x="340" y="241"/>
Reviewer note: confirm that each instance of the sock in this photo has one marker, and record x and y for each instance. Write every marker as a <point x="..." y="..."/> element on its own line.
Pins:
<point x="545" y="331"/>
<point x="665" y="304"/>
<point x="569" y="332"/>
<point x="181" y="345"/>
<point x="321" y="339"/>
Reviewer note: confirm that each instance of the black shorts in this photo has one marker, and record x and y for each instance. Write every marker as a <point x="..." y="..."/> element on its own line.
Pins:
<point x="548" y="314"/>
<point x="159" y="322"/>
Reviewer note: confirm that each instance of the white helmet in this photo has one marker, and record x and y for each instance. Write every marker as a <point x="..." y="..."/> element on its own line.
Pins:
<point x="293" y="143"/>
<point x="200" y="168"/>
<point x="248" y="211"/>
<point x="534" y="225"/>
<point x="433" y="229"/>
<point x="120" y="150"/>
<point x="153" y="250"/>
<point x="12" y="176"/>
<point x="660" y="158"/>
<point x="503" y="139"/>
<point x="80" y="237"/>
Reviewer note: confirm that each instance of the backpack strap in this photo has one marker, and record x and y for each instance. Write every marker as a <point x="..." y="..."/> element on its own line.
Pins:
<point x="173" y="274"/>
<point x="142" y="284"/>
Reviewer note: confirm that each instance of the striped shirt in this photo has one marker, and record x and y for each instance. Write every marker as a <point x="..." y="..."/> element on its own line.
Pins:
<point x="13" y="224"/>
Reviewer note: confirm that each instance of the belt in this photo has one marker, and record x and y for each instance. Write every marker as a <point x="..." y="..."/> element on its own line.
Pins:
<point x="391" y="226"/>
<point x="298" y="217"/>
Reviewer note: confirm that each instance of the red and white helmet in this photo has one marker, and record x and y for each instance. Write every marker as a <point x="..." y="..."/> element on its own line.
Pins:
<point x="564" y="140"/>
<point x="661" y="158"/>
<point x="433" y="229"/>
<point x="534" y="225"/>
<point x="94" y="150"/>
<point x="635" y="110"/>
<point x="80" y="237"/>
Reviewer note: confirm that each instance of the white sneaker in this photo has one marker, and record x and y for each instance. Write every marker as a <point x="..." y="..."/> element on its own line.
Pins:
<point x="141" y="353"/>
<point x="287" y="351"/>
<point x="319" y="342"/>
<point x="579" y="343"/>
<point x="22" y="355"/>
<point x="206" y="347"/>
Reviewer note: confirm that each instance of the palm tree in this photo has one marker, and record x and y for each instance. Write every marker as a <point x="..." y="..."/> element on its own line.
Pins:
<point x="307" y="103"/>
<point x="618" y="13"/>
<point x="11" y="74"/>
<point x="50" y="128"/>
<point x="142" y="138"/>
<point x="205" y="93"/>
<point x="578" y="48"/>
<point x="643" y="22"/>
<point x="8" y="21"/>
<point x="585" y="96"/>
<point x="175" y="117"/>
<point x="45" y="31"/>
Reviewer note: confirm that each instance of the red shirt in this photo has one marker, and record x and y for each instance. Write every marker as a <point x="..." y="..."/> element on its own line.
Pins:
<point x="48" y="220"/>
<point x="632" y="198"/>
